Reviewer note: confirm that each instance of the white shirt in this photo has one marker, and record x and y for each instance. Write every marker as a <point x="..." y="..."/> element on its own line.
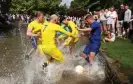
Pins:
<point x="127" y="16"/>
<point x="112" y="36"/>
<point x="111" y="16"/>
<point x="102" y="16"/>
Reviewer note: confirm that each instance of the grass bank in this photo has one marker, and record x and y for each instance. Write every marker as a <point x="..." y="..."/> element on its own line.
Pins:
<point x="120" y="50"/>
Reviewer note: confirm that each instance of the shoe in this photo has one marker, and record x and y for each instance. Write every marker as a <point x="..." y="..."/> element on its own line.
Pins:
<point x="45" y="64"/>
<point x="87" y="59"/>
<point x="27" y="57"/>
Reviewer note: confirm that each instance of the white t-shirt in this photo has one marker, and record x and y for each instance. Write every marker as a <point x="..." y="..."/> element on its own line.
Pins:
<point x="127" y="16"/>
<point x="112" y="37"/>
<point x="102" y="16"/>
<point x="111" y="17"/>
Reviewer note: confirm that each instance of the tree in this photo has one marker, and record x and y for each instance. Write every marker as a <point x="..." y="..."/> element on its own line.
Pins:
<point x="79" y="4"/>
<point x="48" y="6"/>
<point x="99" y="4"/>
<point x="77" y="12"/>
<point x="85" y="4"/>
<point x="63" y="10"/>
<point x="5" y="6"/>
<point x="22" y="5"/>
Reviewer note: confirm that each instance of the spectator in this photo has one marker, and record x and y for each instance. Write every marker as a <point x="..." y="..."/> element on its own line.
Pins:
<point x="110" y="37"/>
<point x="103" y="20"/>
<point x="121" y="13"/>
<point x="111" y="19"/>
<point x="95" y="16"/>
<point x="127" y="18"/>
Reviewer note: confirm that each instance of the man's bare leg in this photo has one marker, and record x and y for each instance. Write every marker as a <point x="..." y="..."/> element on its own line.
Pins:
<point x="62" y="46"/>
<point x="29" y="53"/>
<point x="91" y="57"/>
<point x="83" y="55"/>
<point x="71" y="50"/>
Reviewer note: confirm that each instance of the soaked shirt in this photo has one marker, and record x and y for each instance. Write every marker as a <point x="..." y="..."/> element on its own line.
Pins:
<point x="73" y="27"/>
<point x="35" y="26"/>
<point x="49" y="33"/>
<point x="95" y="36"/>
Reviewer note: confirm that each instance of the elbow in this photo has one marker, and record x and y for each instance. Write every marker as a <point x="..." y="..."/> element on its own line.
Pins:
<point x="28" y="34"/>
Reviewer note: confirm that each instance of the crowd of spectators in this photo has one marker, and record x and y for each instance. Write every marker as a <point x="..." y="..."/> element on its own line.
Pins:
<point x="15" y="17"/>
<point x="115" y="22"/>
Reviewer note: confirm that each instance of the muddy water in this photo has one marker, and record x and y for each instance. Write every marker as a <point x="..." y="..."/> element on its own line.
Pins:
<point x="14" y="68"/>
<point x="11" y="57"/>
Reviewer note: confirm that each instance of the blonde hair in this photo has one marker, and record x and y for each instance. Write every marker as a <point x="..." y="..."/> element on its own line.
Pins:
<point x="54" y="16"/>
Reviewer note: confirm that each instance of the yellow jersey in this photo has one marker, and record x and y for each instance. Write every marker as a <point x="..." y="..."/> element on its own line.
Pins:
<point x="73" y="27"/>
<point x="49" y="33"/>
<point x="35" y="26"/>
<point x="45" y="23"/>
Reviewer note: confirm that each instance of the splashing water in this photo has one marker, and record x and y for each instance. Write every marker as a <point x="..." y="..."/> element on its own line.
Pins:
<point x="57" y="73"/>
<point x="31" y="72"/>
<point x="54" y="72"/>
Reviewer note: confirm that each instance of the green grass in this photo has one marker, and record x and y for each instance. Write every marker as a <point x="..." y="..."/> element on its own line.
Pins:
<point x="120" y="50"/>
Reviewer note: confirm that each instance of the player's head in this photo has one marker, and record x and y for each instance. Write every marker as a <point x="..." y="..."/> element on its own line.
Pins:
<point x="112" y="9"/>
<point x="89" y="19"/>
<point x="122" y="6"/>
<point x="40" y="16"/>
<point x="126" y="7"/>
<point x="64" y="20"/>
<point x="54" y="18"/>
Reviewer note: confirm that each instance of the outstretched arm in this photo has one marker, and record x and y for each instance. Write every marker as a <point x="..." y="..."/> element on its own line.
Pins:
<point x="65" y="32"/>
<point x="86" y="29"/>
<point x="29" y="32"/>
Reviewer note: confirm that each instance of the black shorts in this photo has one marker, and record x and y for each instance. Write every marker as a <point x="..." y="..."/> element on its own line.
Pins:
<point x="126" y="25"/>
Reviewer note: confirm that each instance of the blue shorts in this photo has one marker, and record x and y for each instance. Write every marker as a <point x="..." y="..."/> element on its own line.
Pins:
<point x="91" y="48"/>
<point x="34" y="42"/>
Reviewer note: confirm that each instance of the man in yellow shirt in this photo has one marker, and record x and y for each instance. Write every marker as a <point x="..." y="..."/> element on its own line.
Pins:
<point x="48" y="46"/>
<point x="74" y="30"/>
<point x="34" y="29"/>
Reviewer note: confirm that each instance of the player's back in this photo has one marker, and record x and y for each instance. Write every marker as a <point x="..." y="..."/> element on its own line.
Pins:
<point x="73" y="27"/>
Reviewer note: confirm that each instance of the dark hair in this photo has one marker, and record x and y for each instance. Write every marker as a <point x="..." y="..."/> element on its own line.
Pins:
<point x="126" y="5"/>
<point x="62" y="18"/>
<point x="39" y="13"/>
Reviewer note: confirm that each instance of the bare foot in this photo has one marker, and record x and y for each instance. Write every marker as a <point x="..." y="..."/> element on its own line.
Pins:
<point x="83" y="55"/>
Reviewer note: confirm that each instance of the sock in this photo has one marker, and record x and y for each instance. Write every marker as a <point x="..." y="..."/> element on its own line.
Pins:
<point x="87" y="59"/>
